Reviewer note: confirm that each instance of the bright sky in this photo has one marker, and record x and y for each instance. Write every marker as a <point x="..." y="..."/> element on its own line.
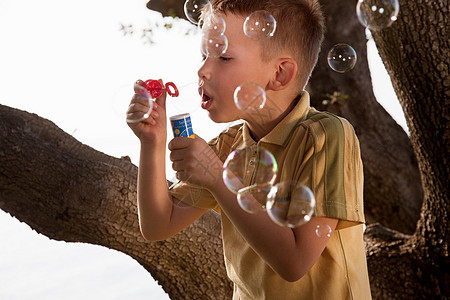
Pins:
<point x="68" y="62"/>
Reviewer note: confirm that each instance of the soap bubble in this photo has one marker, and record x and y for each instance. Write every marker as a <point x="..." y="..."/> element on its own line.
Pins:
<point x="120" y="100"/>
<point x="214" y="46"/>
<point x="140" y="110"/>
<point x="213" y="24"/>
<point x="323" y="231"/>
<point x="193" y="9"/>
<point x="260" y="25"/>
<point x="290" y="204"/>
<point x="214" y="42"/>
<point x="249" y="96"/>
<point x="250" y="163"/>
<point x="342" y="58"/>
<point x="253" y="198"/>
<point x="377" y="14"/>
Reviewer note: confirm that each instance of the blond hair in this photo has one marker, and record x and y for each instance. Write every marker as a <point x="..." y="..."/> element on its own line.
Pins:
<point x="299" y="29"/>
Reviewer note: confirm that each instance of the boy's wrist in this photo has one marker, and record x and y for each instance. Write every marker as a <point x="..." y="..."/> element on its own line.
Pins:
<point x="217" y="186"/>
<point x="154" y="144"/>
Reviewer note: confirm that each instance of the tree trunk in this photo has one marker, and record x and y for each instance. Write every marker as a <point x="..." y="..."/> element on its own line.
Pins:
<point x="68" y="191"/>
<point x="391" y="176"/>
<point x="416" y="55"/>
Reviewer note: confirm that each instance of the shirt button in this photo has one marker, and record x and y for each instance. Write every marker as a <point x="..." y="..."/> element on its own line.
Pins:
<point x="251" y="162"/>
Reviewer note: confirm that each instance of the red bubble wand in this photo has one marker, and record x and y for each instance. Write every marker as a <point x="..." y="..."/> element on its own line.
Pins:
<point x="155" y="88"/>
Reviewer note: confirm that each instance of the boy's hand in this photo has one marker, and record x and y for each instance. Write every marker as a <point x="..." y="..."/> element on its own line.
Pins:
<point x="154" y="128"/>
<point x="195" y="162"/>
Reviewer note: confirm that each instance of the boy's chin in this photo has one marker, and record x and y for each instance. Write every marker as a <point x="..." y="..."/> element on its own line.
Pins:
<point x="218" y="118"/>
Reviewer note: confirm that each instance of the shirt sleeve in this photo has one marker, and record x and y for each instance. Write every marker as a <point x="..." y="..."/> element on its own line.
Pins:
<point x="330" y="165"/>
<point x="193" y="195"/>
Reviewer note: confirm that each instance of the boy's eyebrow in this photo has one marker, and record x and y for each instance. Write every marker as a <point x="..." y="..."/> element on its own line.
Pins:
<point x="230" y="46"/>
<point x="228" y="51"/>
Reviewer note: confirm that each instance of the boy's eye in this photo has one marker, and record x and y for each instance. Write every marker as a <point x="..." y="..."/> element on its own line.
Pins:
<point x="223" y="58"/>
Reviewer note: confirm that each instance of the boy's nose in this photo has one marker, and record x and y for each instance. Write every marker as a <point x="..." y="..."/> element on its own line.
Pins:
<point x="203" y="72"/>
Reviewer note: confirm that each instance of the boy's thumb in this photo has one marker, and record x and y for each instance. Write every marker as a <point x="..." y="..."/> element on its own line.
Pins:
<point x="161" y="100"/>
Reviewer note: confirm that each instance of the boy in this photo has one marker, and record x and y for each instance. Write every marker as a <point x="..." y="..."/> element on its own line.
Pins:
<point x="319" y="150"/>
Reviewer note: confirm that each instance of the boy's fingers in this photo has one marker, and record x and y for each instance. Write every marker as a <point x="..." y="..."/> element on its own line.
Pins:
<point x="181" y="175"/>
<point x="138" y="107"/>
<point x="177" y="166"/>
<point x="179" y="143"/>
<point x="140" y="89"/>
<point x="140" y="99"/>
<point x="176" y="155"/>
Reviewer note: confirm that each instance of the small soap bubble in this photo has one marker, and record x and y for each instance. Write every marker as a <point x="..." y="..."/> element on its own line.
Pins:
<point x="214" y="46"/>
<point x="193" y="9"/>
<point x="256" y="162"/>
<point x="214" y="42"/>
<point x="213" y="24"/>
<point x="323" y="231"/>
<point x="377" y="14"/>
<point x="290" y="204"/>
<point x="249" y="96"/>
<point x="253" y="198"/>
<point x="260" y="25"/>
<point x="342" y="58"/>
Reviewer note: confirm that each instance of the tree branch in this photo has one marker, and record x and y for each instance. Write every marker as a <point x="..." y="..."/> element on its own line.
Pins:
<point x="68" y="191"/>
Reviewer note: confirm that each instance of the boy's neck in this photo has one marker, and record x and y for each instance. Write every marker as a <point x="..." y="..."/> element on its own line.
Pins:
<point x="263" y="121"/>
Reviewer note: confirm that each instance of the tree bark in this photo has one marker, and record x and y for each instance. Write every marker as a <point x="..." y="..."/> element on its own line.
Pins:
<point x="416" y="54"/>
<point x="68" y="191"/>
<point x="391" y="176"/>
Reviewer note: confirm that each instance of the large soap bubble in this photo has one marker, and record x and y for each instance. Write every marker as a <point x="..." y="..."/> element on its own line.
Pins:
<point x="290" y="204"/>
<point x="140" y="110"/>
<point x="342" y="58"/>
<point x="249" y="97"/>
<point x="253" y="198"/>
<point x="193" y="9"/>
<point x="253" y="164"/>
<point x="260" y="25"/>
<point x="377" y="14"/>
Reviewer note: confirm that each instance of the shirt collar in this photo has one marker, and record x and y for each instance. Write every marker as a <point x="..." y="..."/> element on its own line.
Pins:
<point x="279" y="134"/>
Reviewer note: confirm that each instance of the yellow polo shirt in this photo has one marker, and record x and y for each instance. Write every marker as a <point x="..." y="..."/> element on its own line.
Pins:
<point x="321" y="151"/>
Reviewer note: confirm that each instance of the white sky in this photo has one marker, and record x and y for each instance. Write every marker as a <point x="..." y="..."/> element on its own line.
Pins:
<point x="68" y="62"/>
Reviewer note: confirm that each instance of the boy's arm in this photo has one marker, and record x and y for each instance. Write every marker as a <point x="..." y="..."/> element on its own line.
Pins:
<point x="159" y="218"/>
<point x="289" y="252"/>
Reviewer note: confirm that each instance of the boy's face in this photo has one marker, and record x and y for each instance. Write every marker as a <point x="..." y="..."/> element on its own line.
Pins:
<point x="241" y="63"/>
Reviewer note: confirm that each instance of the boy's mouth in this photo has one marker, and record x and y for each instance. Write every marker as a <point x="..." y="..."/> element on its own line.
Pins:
<point x="206" y="100"/>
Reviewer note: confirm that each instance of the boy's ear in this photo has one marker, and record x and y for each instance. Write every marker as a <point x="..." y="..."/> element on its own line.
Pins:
<point x="284" y="75"/>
